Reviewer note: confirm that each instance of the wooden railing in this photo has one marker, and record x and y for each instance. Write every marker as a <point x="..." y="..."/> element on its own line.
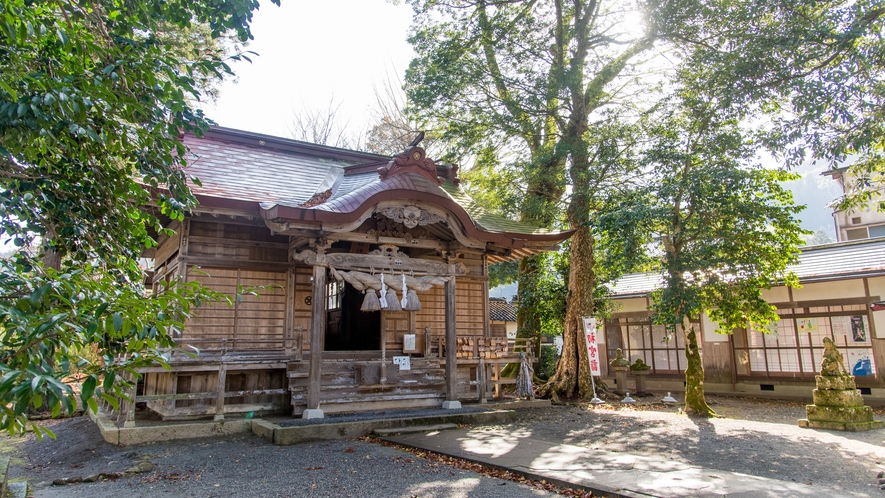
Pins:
<point x="292" y="344"/>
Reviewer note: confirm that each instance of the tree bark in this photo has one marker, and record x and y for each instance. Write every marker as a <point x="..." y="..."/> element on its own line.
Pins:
<point x="695" y="403"/>
<point x="51" y="258"/>
<point x="572" y="376"/>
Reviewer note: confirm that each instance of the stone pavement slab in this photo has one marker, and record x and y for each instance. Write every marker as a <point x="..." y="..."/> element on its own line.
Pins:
<point x="603" y="472"/>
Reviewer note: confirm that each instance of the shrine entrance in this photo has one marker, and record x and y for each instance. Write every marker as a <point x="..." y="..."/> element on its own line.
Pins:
<point x="348" y="328"/>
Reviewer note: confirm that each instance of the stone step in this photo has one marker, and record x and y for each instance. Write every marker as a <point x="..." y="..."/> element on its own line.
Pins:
<point x="18" y="489"/>
<point x="414" y="429"/>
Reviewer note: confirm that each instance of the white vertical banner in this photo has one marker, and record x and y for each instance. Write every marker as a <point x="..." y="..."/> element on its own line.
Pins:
<point x="590" y="339"/>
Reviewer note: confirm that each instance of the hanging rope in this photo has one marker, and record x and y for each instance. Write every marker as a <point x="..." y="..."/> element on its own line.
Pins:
<point x="383" y="300"/>
<point x="524" y="387"/>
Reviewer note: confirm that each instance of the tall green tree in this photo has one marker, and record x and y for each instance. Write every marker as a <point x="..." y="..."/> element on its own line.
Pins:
<point x="93" y="97"/>
<point x="539" y="79"/>
<point x="720" y="227"/>
<point x="817" y="67"/>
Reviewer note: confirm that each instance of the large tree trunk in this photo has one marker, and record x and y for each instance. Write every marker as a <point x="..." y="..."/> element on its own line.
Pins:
<point x="572" y="376"/>
<point x="695" y="403"/>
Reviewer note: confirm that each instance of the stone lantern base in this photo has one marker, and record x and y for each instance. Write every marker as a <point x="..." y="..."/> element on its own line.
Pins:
<point x="838" y="405"/>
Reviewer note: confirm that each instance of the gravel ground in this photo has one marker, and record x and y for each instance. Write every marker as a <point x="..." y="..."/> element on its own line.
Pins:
<point x="243" y="466"/>
<point x="756" y="437"/>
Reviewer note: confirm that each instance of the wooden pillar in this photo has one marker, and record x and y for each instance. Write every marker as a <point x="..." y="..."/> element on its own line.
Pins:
<point x="130" y="405"/>
<point x="481" y="380"/>
<point x="317" y="335"/>
<point x="220" y="390"/>
<point x="382" y="376"/>
<point x="451" y="356"/>
<point x="289" y="331"/>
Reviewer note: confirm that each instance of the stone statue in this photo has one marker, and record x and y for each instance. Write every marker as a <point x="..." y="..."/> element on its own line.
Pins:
<point x="832" y="364"/>
<point x="640" y="366"/>
<point x="619" y="360"/>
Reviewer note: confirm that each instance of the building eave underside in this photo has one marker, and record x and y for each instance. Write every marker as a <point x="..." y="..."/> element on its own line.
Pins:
<point x="499" y="246"/>
<point x="806" y="280"/>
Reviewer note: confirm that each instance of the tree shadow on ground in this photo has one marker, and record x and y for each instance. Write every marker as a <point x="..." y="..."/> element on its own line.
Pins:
<point x="774" y="450"/>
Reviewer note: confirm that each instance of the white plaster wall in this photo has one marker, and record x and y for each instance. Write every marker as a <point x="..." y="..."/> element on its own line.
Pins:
<point x="710" y="328"/>
<point x="776" y="295"/>
<point x="630" y="305"/>
<point x="829" y="290"/>
<point x="511" y="329"/>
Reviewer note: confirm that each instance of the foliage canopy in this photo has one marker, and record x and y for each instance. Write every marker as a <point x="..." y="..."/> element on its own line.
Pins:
<point x="93" y="97"/>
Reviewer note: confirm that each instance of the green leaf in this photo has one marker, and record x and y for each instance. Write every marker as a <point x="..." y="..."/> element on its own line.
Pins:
<point x="63" y="37"/>
<point x="88" y="387"/>
<point x="13" y="95"/>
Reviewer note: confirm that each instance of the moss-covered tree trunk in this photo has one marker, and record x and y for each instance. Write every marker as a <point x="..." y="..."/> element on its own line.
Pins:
<point x="695" y="403"/>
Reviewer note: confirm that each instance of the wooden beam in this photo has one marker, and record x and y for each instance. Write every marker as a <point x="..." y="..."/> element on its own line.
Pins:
<point x="451" y="339"/>
<point x="238" y="243"/>
<point x="317" y="334"/>
<point x="397" y="241"/>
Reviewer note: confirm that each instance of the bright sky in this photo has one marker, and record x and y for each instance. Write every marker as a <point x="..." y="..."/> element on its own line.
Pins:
<point x="310" y="52"/>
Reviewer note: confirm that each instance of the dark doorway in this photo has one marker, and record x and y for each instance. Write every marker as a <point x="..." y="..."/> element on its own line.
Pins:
<point x="348" y="328"/>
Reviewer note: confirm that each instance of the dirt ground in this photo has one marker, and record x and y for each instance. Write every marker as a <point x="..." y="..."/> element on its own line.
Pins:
<point x="753" y="436"/>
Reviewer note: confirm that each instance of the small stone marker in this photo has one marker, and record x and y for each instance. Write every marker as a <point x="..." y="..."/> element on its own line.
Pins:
<point x="838" y="405"/>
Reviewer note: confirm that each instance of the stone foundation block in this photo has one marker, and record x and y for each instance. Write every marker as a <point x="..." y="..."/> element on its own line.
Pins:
<point x="842" y="426"/>
<point x="837" y="398"/>
<point x="847" y="414"/>
<point x="843" y="383"/>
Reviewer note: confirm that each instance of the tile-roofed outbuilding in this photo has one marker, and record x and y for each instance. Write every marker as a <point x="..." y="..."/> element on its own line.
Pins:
<point x="816" y="263"/>
<point x="501" y="310"/>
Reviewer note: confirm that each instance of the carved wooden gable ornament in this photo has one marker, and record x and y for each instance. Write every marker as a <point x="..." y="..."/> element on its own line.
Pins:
<point x="410" y="216"/>
<point x="414" y="159"/>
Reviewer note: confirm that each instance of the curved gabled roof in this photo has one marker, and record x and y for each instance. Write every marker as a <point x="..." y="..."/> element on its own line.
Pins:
<point x="286" y="180"/>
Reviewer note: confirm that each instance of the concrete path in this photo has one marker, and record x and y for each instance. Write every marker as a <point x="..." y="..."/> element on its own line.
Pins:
<point x="602" y="472"/>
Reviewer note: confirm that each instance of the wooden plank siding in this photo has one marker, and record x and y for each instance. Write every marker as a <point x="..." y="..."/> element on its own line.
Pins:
<point x="470" y="307"/>
<point x="236" y="242"/>
<point x="254" y="322"/>
<point x="180" y="384"/>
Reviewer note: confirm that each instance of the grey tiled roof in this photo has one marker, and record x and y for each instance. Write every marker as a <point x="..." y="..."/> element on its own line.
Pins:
<point x="824" y="262"/>
<point x="249" y="173"/>
<point x="501" y="311"/>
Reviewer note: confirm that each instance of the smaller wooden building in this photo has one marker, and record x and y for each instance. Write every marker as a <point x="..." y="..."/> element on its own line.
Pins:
<point x="329" y="232"/>
<point x="841" y="283"/>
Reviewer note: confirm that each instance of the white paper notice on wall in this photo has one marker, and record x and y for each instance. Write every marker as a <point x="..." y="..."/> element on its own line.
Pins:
<point x="409" y="342"/>
<point x="404" y="362"/>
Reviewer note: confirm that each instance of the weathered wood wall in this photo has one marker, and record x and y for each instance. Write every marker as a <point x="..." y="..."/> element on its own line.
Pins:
<point x="229" y="241"/>
<point x="206" y="381"/>
<point x="352" y="384"/>
<point x="251" y="322"/>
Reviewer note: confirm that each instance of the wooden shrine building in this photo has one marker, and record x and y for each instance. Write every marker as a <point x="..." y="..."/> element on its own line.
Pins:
<point x="333" y="235"/>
